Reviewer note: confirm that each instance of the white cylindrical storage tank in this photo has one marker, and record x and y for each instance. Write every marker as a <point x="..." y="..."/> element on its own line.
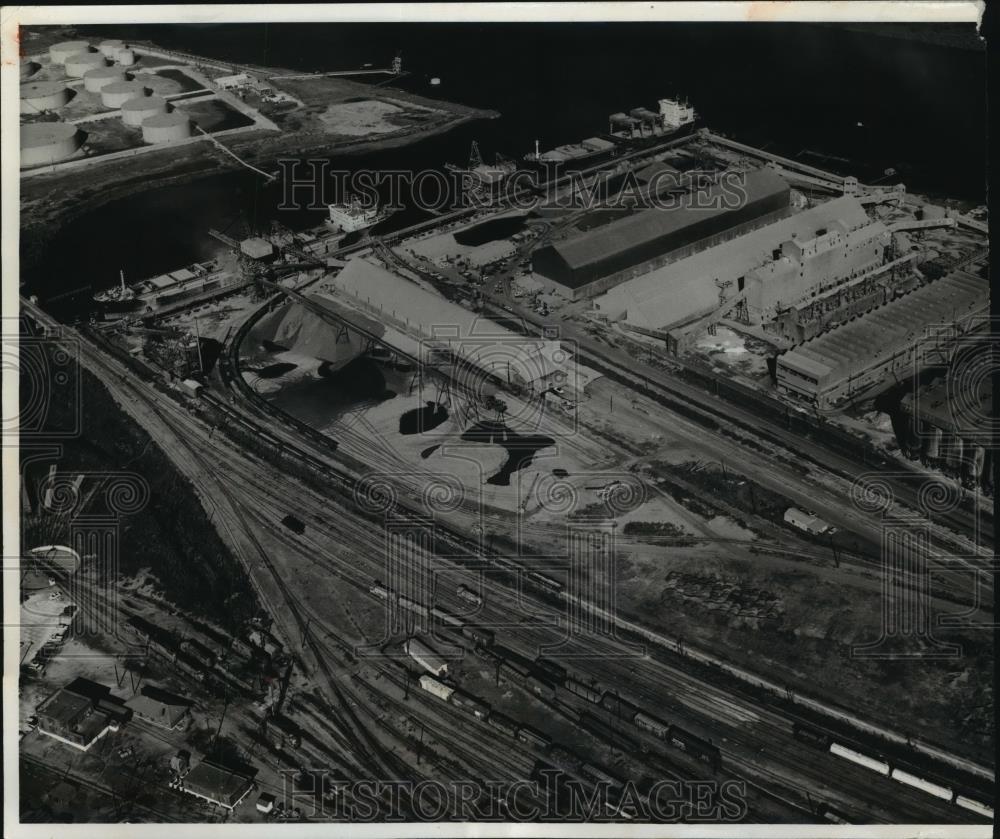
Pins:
<point x="28" y="68"/>
<point x="164" y="128"/>
<point x="78" y="65"/>
<point x="117" y="94"/>
<point x="60" y="52"/>
<point x="48" y="142"/>
<point x="136" y="111"/>
<point x="100" y="77"/>
<point x="125" y="57"/>
<point x="110" y="47"/>
<point x="38" y="97"/>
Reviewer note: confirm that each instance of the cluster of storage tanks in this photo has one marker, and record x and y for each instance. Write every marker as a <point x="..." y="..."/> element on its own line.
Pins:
<point x="46" y="143"/>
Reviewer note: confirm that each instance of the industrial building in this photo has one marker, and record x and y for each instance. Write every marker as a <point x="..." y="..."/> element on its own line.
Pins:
<point x="48" y="142"/>
<point x="867" y="353"/>
<point x="217" y="784"/>
<point x="100" y="77"/>
<point x="78" y="65"/>
<point x="117" y="94"/>
<point x="779" y="262"/>
<point x="430" y="327"/>
<point x="137" y="110"/>
<point x="39" y="97"/>
<point x="596" y="260"/>
<point x="58" y="53"/>
<point x="425" y="657"/>
<point x="158" y="707"/>
<point x="80" y="713"/>
<point x="950" y="430"/>
<point x="166" y="128"/>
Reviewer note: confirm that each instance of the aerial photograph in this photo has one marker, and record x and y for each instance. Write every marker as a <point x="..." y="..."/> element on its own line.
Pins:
<point x="546" y="422"/>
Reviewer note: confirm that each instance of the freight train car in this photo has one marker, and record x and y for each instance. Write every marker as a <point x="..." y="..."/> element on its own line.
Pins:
<point x="867" y="762"/>
<point x="583" y="691"/>
<point x="503" y="723"/>
<point x="469" y="595"/>
<point x="616" y="705"/>
<point x="446" y="617"/>
<point x="695" y="746"/>
<point x="811" y="736"/>
<point x="649" y="723"/>
<point x="596" y="773"/>
<point x="532" y="737"/>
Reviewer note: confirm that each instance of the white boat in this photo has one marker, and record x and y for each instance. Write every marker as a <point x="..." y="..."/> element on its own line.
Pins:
<point x="353" y="215"/>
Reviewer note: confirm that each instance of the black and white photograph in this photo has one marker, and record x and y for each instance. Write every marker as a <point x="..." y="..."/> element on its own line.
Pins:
<point x="537" y="419"/>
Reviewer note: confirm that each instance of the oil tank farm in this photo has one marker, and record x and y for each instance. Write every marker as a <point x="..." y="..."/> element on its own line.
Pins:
<point x="117" y="94"/>
<point x="78" y="65"/>
<point x="593" y="261"/>
<point x="165" y="128"/>
<point x="48" y="142"/>
<point x="136" y="111"/>
<point x="100" y="77"/>
<point x="125" y="57"/>
<point x="865" y="355"/>
<point x="39" y="97"/>
<point x="110" y="47"/>
<point x="58" y="53"/>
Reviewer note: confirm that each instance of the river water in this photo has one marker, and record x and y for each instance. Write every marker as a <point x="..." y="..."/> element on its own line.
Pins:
<point x="865" y="101"/>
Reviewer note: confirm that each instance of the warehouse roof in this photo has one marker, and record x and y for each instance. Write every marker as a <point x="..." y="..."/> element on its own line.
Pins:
<point x="218" y="783"/>
<point x="685" y="288"/>
<point x="868" y="340"/>
<point x="649" y="225"/>
<point x="434" y="319"/>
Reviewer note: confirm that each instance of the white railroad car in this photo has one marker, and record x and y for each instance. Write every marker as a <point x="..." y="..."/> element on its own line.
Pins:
<point x="445" y="616"/>
<point x="974" y="806"/>
<point x="440" y="690"/>
<point x="413" y="606"/>
<point x="927" y="786"/>
<point x="872" y="763"/>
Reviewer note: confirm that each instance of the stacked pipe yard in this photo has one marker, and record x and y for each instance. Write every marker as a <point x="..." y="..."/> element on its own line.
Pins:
<point x="58" y="53"/>
<point x="38" y="97"/>
<point x="100" y="77"/>
<point x="78" y="65"/>
<point x="166" y="127"/>
<point x="117" y="94"/>
<point x="137" y="110"/>
<point x="48" y="142"/>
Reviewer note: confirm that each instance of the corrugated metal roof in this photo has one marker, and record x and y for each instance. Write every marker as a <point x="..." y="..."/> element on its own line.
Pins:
<point x="680" y="289"/>
<point x="649" y="225"/>
<point x="883" y="332"/>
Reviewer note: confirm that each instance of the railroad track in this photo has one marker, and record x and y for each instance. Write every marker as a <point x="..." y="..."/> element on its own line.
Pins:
<point x="348" y="483"/>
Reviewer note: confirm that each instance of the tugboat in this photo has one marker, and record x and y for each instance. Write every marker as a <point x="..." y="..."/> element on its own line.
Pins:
<point x="117" y="293"/>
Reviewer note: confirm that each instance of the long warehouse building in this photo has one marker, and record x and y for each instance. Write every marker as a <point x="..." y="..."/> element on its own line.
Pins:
<point x="595" y="260"/>
<point x="891" y="342"/>
<point x="776" y="264"/>
<point x="431" y="328"/>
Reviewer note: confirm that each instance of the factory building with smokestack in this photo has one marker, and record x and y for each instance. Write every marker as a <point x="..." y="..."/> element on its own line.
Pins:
<point x="595" y="260"/>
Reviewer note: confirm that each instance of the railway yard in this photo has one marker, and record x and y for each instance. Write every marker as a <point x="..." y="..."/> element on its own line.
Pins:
<point x="541" y="515"/>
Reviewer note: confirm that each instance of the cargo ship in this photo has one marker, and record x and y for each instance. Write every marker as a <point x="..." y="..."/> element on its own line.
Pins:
<point x="637" y="128"/>
<point x="353" y="216"/>
<point x="164" y="290"/>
